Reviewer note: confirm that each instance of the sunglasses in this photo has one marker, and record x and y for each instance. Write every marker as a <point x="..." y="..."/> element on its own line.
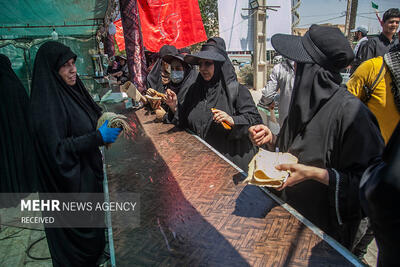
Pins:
<point x="206" y="63"/>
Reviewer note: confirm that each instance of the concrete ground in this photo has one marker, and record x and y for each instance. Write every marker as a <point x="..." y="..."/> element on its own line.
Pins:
<point x="14" y="243"/>
<point x="17" y="241"/>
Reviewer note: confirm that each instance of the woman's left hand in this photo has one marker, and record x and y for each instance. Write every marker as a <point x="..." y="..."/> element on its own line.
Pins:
<point x="300" y="173"/>
<point x="220" y="116"/>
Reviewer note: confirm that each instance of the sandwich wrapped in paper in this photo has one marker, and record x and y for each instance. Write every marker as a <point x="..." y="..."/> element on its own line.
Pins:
<point x="262" y="171"/>
<point x="155" y="98"/>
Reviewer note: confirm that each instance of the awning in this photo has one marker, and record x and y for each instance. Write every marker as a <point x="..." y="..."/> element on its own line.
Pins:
<point x="24" y="18"/>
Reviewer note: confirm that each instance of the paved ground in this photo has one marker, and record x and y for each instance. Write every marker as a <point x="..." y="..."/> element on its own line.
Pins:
<point x="14" y="244"/>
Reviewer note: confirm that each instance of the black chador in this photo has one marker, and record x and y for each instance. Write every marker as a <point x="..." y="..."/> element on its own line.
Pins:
<point x="64" y="122"/>
<point x="17" y="170"/>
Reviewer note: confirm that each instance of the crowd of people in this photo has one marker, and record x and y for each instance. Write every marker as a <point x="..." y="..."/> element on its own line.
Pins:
<point x="335" y="136"/>
<point x="345" y="138"/>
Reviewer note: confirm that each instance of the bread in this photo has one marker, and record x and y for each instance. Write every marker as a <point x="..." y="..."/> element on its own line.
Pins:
<point x="262" y="171"/>
<point x="160" y="112"/>
<point x="154" y="93"/>
<point x="154" y="101"/>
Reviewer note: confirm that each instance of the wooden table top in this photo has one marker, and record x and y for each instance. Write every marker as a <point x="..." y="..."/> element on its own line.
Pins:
<point x="195" y="212"/>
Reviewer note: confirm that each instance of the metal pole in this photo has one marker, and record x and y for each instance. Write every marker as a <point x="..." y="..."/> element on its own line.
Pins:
<point x="259" y="51"/>
<point x="347" y="23"/>
<point x="353" y="14"/>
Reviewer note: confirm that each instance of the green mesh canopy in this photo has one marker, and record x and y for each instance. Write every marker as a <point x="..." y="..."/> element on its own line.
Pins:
<point x="46" y="14"/>
<point x="27" y="24"/>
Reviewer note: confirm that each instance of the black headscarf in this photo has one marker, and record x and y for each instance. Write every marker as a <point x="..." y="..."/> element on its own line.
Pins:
<point x="195" y="114"/>
<point x="18" y="161"/>
<point x="212" y="91"/>
<point x="229" y="73"/>
<point x="190" y="77"/>
<point x="313" y="87"/>
<point x="328" y="128"/>
<point x="154" y="76"/>
<point x="55" y="109"/>
<point x="64" y="120"/>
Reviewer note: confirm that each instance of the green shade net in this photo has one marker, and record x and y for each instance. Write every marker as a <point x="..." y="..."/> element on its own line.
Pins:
<point x="49" y="13"/>
<point x="20" y="42"/>
<point x="22" y="59"/>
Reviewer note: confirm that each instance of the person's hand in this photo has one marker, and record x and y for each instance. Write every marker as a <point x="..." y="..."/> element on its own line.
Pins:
<point x="156" y="104"/>
<point x="260" y="135"/>
<point x="116" y="74"/>
<point x="221" y="116"/>
<point x="300" y="173"/>
<point x="271" y="106"/>
<point x="109" y="135"/>
<point x="171" y="100"/>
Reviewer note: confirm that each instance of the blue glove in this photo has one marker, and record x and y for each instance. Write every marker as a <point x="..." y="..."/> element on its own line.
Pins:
<point x="109" y="135"/>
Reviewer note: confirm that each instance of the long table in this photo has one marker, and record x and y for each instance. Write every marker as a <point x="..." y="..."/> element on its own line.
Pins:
<point x="194" y="211"/>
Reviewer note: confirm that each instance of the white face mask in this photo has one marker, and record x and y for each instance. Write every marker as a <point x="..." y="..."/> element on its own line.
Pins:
<point x="177" y="76"/>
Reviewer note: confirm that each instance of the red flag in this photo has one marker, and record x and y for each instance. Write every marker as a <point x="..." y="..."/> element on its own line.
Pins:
<point x="172" y="22"/>
<point x="119" y="35"/>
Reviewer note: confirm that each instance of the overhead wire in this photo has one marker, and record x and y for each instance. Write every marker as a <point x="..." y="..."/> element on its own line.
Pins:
<point x="341" y="16"/>
<point x="325" y="20"/>
<point x="234" y="26"/>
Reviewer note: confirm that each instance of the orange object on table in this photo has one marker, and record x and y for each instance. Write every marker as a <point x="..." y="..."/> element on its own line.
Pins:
<point x="225" y="124"/>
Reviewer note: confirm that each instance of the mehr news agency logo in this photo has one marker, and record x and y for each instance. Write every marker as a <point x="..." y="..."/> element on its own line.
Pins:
<point x="54" y="205"/>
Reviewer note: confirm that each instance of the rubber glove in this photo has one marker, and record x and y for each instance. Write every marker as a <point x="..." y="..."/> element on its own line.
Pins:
<point x="109" y="135"/>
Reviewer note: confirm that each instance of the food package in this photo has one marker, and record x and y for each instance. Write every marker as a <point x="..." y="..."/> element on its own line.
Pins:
<point x="262" y="171"/>
<point x="160" y="112"/>
<point x="115" y="121"/>
<point x="154" y="101"/>
<point x="154" y="93"/>
<point x="130" y="89"/>
<point x="154" y="98"/>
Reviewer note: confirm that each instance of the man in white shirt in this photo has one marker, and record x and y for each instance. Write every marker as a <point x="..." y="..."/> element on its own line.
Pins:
<point x="361" y="37"/>
<point x="282" y="80"/>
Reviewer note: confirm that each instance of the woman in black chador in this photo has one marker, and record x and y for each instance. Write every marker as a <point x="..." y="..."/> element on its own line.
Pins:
<point x="208" y="104"/>
<point x="182" y="77"/>
<point x="334" y="136"/>
<point x="64" y="119"/>
<point x="158" y="77"/>
<point x="17" y="170"/>
<point x="380" y="198"/>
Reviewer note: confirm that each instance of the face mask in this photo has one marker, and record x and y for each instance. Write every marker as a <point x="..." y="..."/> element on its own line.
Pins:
<point x="177" y="76"/>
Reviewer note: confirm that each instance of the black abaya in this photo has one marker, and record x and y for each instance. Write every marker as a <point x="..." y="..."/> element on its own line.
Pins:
<point x="329" y="128"/>
<point x="195" y="114"/>
<point x="17" y="171"/>
<point x="380" y="198"/>
<point x="64" y="120"/>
